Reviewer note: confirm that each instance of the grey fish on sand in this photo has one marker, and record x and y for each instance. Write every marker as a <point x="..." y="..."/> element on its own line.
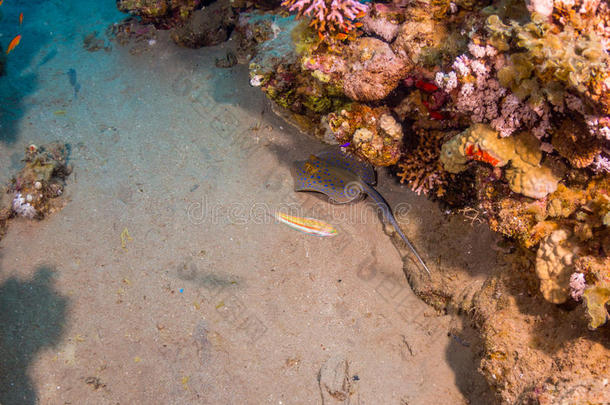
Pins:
<point x="344" y="179"/>
<point x="73" y="82"/>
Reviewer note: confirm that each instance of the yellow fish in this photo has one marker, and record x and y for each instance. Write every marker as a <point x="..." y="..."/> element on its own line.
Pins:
<point x="125" y="238"/>
<point x="307" y="225"/>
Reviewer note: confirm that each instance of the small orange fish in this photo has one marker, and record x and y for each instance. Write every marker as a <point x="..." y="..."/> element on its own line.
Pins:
<point x="20" y="18"/>
<point x="320" y="35"/>
<point x="13" y="43"/>
<point x="358" y="25"/>
<point x="361" y="14"/>
<point x="1" y="2"/>
<point x="341" y="36"/>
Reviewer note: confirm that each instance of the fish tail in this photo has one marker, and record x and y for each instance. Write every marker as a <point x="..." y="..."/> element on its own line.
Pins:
<point x="387" y="213"/>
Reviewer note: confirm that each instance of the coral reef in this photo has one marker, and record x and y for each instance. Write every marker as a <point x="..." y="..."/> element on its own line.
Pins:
<point x="570" y="140"/>
<point x="421" y="40"/>
<point x="130" y="32"/>
<point x="92" y="43"/>
<point x="383" y="20"/>
<point x="596" y="299"/>
<point x="163" y="13"/>
<point x="37" y="186"/>
<point x="552" y="63"/>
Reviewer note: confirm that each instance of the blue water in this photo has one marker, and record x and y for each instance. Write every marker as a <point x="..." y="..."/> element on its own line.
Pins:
<point x="51" y="31"/>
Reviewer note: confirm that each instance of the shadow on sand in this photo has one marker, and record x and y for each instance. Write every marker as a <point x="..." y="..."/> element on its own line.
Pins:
<point x="32" y="317"/>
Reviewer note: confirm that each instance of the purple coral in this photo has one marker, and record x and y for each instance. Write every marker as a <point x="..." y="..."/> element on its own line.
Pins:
<point x="23" y="208"/>
<point x="478" y="94"/>
<point x="329" y="15"/>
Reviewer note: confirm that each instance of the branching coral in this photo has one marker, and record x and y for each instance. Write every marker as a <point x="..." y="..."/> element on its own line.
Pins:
<point x="329" y="15"/>
<point x="421" y="167"/>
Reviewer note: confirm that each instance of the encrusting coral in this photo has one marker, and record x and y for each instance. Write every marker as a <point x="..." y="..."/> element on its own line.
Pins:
<point x="555" y="266"/>
<point x="596" y="298"/>
<point x="371" y="133"/>
<point x="552" y="63"/>
<point x="480" y="142"/>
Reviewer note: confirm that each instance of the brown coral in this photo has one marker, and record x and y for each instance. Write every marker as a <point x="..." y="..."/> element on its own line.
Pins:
<point x="421" y="168"/>
<point x="573" y="142"/>
<point x="374" y="70"/>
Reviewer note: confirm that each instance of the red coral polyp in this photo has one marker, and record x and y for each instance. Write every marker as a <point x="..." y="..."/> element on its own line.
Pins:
<point x="476" y="153"/>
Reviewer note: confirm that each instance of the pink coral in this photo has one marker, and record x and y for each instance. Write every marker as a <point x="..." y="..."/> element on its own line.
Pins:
<point x="601" y="163"/>
<point x="577" y="286"/>
<point x="329" y="15"/>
